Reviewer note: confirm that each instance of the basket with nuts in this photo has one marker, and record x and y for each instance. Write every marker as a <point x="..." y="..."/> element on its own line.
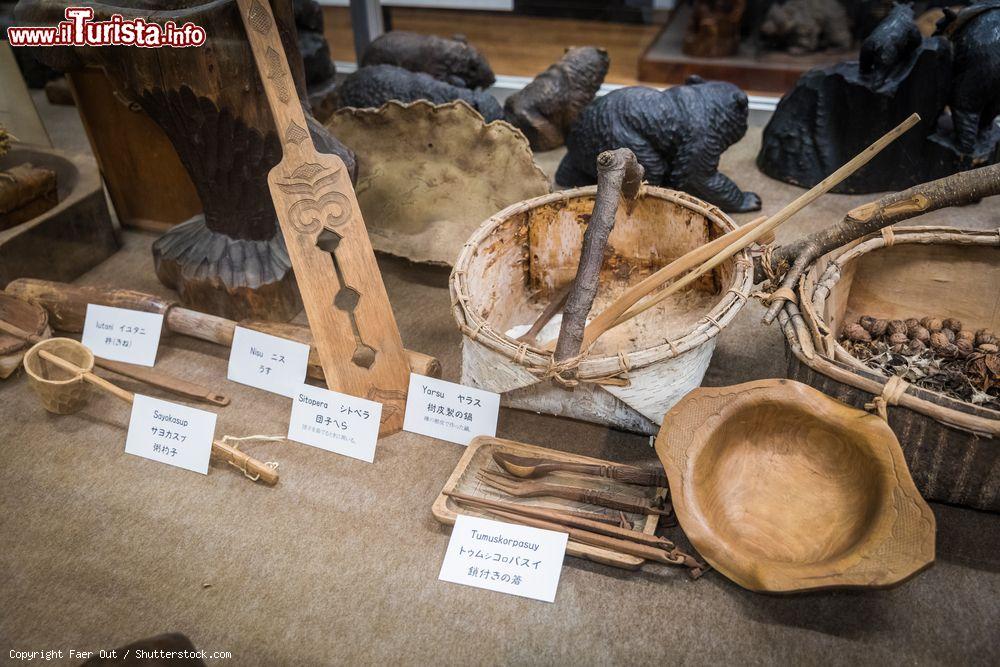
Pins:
<point x="930" y="352"/>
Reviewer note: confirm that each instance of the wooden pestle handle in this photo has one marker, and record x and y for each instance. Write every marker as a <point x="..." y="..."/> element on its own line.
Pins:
<point x="241" y="460"/>
<point x="67" y="308"/>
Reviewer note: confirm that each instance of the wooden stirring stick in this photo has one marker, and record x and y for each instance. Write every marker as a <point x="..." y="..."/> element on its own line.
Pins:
<point x="153" y="378"/>
<point x="241" y="460"/>
<point x="735" y="244"/>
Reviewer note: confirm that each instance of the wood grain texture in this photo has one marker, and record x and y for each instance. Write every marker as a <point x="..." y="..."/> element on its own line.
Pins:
<point x="783" y="489"/>
<point x="345" y="300"/>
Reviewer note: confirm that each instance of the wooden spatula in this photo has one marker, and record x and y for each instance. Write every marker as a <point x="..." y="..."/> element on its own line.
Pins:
<point x="342" y="290"/>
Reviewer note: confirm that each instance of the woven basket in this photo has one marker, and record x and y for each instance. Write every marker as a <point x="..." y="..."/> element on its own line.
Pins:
<point x="60" y="391"/>
<point x="951" y="446"/>
<point x="520" y="257"/>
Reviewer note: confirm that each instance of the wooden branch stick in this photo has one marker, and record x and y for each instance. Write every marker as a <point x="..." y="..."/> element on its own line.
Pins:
<point x="618" y="174"/>
<point x="550" y="311"/>
<point x="566" y="519"/>
<point x="241" y="460"/>
<point x="965" y="187"/>
<point x="778" y="218"/>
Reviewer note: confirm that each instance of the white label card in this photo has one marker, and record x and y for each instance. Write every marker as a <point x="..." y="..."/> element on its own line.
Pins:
<point x="170" y="433"/>
<point x="505" y="557"/>
<point x="120" y="334"/>
<point x="335" y="422"/>
<point x="268" y="362"/>
<point x="449" y="411"/>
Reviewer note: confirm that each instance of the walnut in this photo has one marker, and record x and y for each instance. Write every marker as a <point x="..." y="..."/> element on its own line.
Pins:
<point x="879" y="328"/>
<point x="949" y="333"/>
<point x="916" y="345"/>
<point x="939" y="341"/>
<point x="989" y="348"/>
<point x="950" y="350"/>
<point x="966" y="335"/>
<point x="898" y="339"/>
<point x="857" y="333"/>
<point x="920" y="333"/>
<point x="867" y="321"/>
<point x="985" y="337"/>
<point x="953" y="324"/>
<point x="964" y="346"/>
<point x="911" y="322"/>
<point x="897" y="326"/>
<point x="932" y="323"/>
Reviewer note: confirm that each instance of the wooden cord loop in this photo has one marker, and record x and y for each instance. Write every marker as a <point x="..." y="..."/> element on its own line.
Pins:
<point x="888" y="236"/>
<point x="892" y="391"/>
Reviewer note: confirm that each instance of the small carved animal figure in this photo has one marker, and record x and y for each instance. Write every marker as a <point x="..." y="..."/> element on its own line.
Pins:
<point x="975" y="90"/>
<point x="453" y="60"/>
<point x="546" y="108"/>
<point x="803" y="26"/>
<point x="374" y="86"/>
<point x="889" y="46"/>
<point x="677" y="134"/>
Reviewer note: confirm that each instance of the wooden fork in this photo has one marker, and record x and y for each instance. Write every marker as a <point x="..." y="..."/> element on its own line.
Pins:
<point x="531" y="489"/>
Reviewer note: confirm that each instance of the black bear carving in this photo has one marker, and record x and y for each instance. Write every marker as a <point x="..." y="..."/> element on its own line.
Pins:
<point x="678" y="135"/>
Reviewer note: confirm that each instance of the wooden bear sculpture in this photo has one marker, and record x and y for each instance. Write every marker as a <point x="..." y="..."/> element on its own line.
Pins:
<point x="677" y="134"/>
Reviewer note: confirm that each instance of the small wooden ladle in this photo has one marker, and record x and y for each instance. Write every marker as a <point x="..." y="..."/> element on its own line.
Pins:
<point x="67" y="394"/>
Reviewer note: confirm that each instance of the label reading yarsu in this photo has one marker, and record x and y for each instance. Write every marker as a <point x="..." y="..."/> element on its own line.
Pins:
<point x="120" y="334"/>
<point x="170" y="433"/>
<point x="268" y="362"/>
<point x="513" y="559"/>
<point x="335" y="422"/>
<point x="450" y="411"/>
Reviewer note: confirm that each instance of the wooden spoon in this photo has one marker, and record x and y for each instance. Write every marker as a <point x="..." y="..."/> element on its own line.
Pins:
<point x="527" y="467"/>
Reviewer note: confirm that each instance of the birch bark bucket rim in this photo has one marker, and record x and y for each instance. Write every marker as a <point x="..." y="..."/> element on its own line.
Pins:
<point x="59" y="396"/>
<point x="631" y="387"/>
<point x="826" y="274"/>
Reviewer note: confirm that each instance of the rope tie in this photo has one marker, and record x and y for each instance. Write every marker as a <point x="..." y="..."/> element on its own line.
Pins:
<point x="522" y="350"/>
<point x="623" y="362"/>
<point x="474" y="333"/>
<point x="738" y="294"/>
<point x="673" y="348"/>
<point x="713" y="321"/>
<point x="766" y="258"/>
<point x="230" y="440"/>
<point x="892" y="391"/>
<point x="888" y="236"/>
<point x="786" y="293"/>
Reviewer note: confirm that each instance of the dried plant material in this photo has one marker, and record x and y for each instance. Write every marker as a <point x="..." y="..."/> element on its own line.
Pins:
<point x="935" y="354"/>
<point x="5" y="139"/>
<point x="429" y="175"/>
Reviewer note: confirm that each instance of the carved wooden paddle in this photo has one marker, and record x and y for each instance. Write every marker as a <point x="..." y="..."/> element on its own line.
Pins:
<point x="342" y="290"/>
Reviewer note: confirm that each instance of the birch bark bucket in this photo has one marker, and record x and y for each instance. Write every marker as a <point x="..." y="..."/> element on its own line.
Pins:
<point x="520" y="258"/>
<point x="952" y="447"/>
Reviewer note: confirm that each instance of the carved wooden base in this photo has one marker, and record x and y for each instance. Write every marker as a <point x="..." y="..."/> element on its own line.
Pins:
<point x="233" y="278"/>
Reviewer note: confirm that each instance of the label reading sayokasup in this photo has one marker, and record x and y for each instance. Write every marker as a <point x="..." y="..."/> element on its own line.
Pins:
<point x="174" y="434"/>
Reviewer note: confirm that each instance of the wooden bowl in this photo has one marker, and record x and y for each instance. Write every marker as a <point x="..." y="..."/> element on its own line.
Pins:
<point x="60" y="391"/>
<point x="783" y="489"/>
